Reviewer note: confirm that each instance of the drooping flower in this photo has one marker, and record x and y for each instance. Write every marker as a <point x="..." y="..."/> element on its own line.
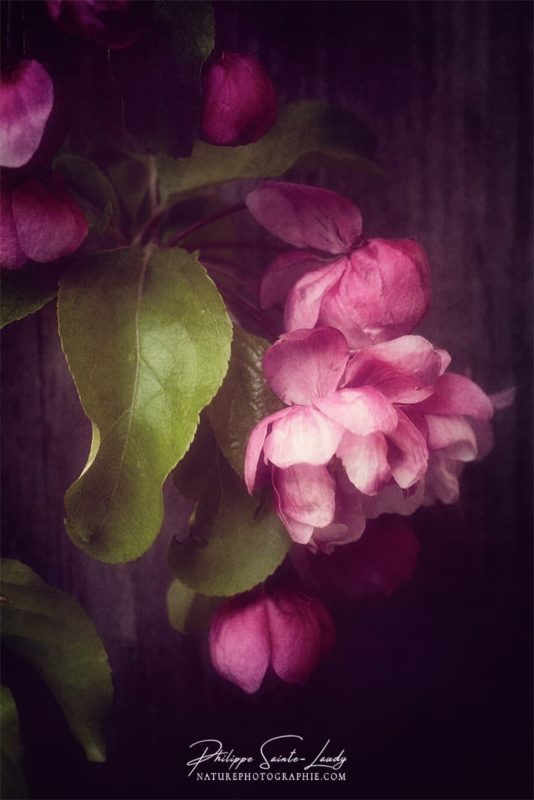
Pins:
<point x="283" y="629"/>
<point x="26" y="100"/>
<point x="239" y="100"/>
<point x="40" y="221"/>
<point x="114" y="24"/>
<point x="346" y="432"/>
<point x="371" y="290"/>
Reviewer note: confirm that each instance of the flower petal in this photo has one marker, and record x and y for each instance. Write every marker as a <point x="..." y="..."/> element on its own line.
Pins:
<point x="49" y="222"/>
<point x="456" y="394"/>
<point x="11" y="255"/>
<point x="453" y="434"/>
<point x="240" y="642"/>
<point x="407" y="453"/>
<point x="254" y="474"/>
<point x="365" y="461"/>
<point x="303" y="304"/>
<point x="362" y="411"/>
<point x="26" y="100"/>
<point x="442" y="479"/>
<point x="283" y="272"/>
<point x="307" y="364"/>
<point x="307" y="494"/>
<point x="305" y="216"/>
<point x="394" y="500"/>
<point x="302" y="436"/>
<point x="405" y="370"/>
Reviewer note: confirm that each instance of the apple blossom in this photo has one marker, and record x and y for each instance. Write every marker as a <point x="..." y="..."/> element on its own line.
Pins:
<point x="282" y="628"/>
<point x="239" y="100"/>
<point x="371" y="290"/>
<point x="26" y="100"/>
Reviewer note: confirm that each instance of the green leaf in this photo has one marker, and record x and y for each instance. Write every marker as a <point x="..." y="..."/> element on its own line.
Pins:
<point x="48" y="628"/>
<point x="147" y="339"/>
<point x="188" y="610"/>
<point x="244" y="398"/>
<point x="91" y="187"/>
<point x="199" y="465"/>
<point x="233" y="544"/>
<point x="26" y="290"/>
<point x="159" y="76"/>
<point x="13" y="780"/>
<point x="303" y="129"/>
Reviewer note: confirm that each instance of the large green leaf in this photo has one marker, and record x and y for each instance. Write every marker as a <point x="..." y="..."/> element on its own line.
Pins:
<point x="48" y="628"/>
<point x="198" y="468"/>
<point x="234" y="544"/>
<point x="26" y="290"/>
<point x="188" y="610"/>
<point x="147" y="339"/>
<point x="303" y="129"/>
<point x="159" y="77"/>
<point x="244" y="398"/>
<point x="12" y="778"/>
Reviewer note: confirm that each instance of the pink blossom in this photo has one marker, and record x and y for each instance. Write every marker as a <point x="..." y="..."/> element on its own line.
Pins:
<point x="283" y="629"/>
<point x="371" y="290"/>
<point x="26" y="100"/>
<point x="347" y="431"/>
<point x="40" y="221"/>
<point x="239" y="100"/>
<point x="113" y="24"/>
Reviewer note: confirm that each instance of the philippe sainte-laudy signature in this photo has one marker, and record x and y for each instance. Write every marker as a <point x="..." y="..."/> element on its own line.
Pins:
<point x="273" y="753"/>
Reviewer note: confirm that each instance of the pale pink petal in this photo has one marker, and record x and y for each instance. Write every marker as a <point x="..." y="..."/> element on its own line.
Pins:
<point x="49" y="222"/>
<point x="11" y="256"/>
<point x="26" y="100"/>
<point x="302" y="436"/>
<point x="307" y="364"/>
<point x="405" y="370"/>
<point x="302" y="631"/>
<point x="305" y="216"/>
<point x="453" y="434"/>
<point x="303" y="304"/>
<point x="285" y="271"/>
<point x="239" y="641"/>
<point x="484" y="435"/>
<point x="458" y="395"/>
<point x="365" y="461"/>
<point x="307" y="494"/>
<point x="254" y="474"/>
<point x="407" y="453"/>
<point x="394" y="500"/>
<point x="349" y="521"/>
<point x="362" y="411"/>
<point x="442" y="479"/>
<point x="503" y="399"/>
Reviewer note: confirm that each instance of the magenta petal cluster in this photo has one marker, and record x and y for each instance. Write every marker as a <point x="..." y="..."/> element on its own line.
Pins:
<point x="40" y="221"/>
<point x="26" y="100"/>
<point x="371" y="290"/>
<point x="239" y="100"/>
<point x="283" y="629"/>
<point x="114" y="24"/>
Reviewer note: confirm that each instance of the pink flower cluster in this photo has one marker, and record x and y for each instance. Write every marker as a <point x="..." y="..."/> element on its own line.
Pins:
<point x="370" y="410"/>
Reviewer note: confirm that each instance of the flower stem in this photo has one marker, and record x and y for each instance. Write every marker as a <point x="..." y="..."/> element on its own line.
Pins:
<point x="202" y="223"/>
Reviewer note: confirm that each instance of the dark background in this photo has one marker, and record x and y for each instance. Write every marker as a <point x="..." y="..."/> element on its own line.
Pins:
<point x="429" y="692"/>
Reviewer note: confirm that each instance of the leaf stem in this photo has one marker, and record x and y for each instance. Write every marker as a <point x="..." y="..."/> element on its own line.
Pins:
<point x="202" y="223"/>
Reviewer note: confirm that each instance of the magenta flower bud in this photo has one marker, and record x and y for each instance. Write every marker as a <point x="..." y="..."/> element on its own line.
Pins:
<point x="283" y="629"/>
<point x="114" y="24"/>
<point x="40" y="221"/>
<point x="26" y="100"/>
<point x="239" y="100"/>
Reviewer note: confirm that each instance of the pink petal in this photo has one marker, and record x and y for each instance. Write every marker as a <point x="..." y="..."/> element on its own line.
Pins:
<point x="306" y="217"/>
<point x="307" y="494"/>
<point x="408" y="453"/>
<point x="254" y="474"/>
<point x="362" y="411"/>
<point x="26" y="100"/>
<point x="365" y="461"/>
<point x="302" y="436"/>
<point x="113" y="24"/>
<point x="239" y="103"/>
<point x="306" y="364"/>
<point x="239" y="641"/>
<point x="442" y="479"/>
<point x="349" y="521"/>
<point x="302" y="631"/>
<point x="457" y="395"/>
<point x="405" y="370"/>
<point x="303" y="304"/>
<point x="11" y="256"/>
<point x="49" y="222"/>
<point x="284" y="271"/>
<point x="454" y="434"/>
<point x="394" y="500"/>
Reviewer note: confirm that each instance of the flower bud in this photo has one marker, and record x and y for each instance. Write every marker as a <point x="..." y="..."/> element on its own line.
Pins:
<point x="113" y="24"/>
<point x="283" y="629"/>
<point x="239" y="100"/>
<point x="26" y="100"/>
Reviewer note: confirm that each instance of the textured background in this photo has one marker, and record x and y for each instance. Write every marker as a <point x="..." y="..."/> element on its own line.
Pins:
<point x="429" y="692"/>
